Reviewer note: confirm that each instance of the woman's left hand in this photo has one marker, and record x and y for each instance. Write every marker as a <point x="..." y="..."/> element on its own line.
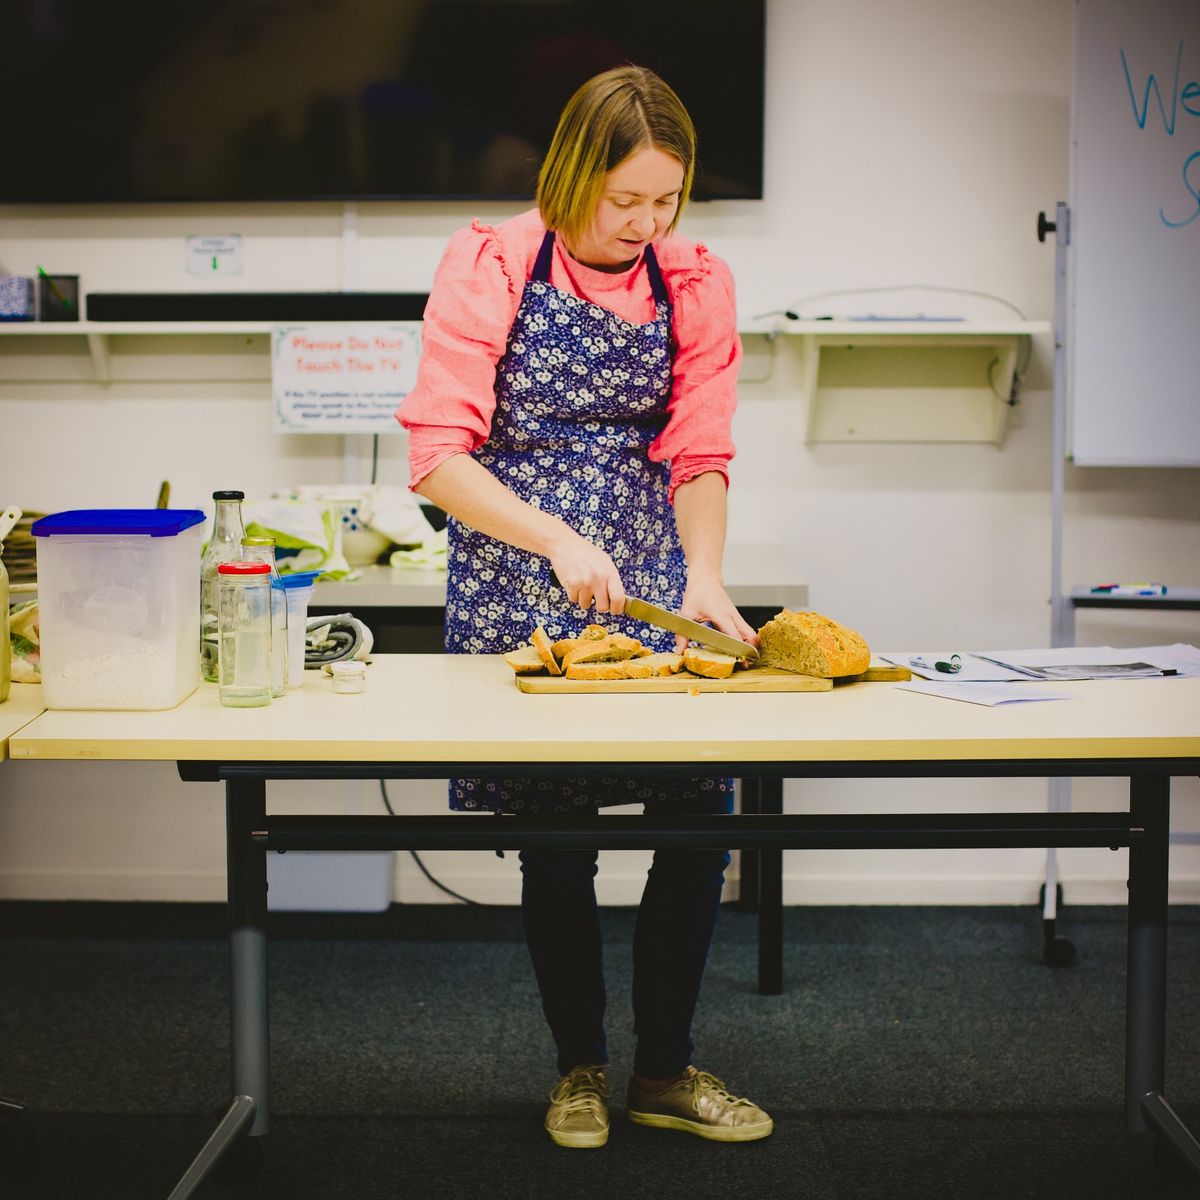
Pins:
<point x="705" y="599"/>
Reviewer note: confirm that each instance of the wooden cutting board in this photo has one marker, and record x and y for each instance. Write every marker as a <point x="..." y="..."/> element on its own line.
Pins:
<point x="755" y="679"/>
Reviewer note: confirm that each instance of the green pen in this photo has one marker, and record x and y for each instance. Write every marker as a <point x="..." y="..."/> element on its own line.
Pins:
<point x="66" y="305"/>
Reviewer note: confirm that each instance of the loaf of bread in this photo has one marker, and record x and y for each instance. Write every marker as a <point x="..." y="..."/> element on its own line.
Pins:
<point x="700" y="660"/>
<point x="811" y="644"/>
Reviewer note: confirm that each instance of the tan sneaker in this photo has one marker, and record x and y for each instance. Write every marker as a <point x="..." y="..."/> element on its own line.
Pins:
<point x="578" y="1114"/>
<point x="699" y="1103"/>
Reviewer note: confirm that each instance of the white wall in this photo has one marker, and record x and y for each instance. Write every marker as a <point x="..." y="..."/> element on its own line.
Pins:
<point x="906" y="144"/>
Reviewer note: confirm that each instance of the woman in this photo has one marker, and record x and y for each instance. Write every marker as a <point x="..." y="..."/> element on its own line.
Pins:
<point x="572" y="415"/>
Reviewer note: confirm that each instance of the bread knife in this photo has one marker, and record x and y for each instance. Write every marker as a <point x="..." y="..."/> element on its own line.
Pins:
<point x="663" y="618"/>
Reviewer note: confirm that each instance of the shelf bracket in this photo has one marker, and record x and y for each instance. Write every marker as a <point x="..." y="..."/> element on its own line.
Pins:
<point x="99" y="350"/>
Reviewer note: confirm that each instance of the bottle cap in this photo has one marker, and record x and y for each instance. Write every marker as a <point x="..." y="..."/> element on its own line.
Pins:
<point x="348" y="666"/>
<point x="258" y="541"/>
<point x="244" y="568"/>
<point x="229" y="495"/>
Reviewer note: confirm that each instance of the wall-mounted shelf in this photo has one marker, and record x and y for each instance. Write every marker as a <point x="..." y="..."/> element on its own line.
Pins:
<point x="907" y="381"/>
<point x="99" y="334"/>
<point x="864" y="381"/>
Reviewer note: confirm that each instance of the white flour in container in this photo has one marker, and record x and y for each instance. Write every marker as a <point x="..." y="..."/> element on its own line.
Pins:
<point x="119" y="671"/>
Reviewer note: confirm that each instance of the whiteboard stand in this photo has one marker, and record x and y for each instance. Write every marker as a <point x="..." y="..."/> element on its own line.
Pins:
<point x="1057" y="951"/>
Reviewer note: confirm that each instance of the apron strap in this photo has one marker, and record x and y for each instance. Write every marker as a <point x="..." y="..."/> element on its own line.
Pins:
<point x="657" y="286"/>
<point x="541" y="269"/>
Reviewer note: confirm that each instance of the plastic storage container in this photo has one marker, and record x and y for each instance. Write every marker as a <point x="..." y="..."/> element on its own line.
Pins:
<point x="298" y="590"/>
<point x="119" y="593"/>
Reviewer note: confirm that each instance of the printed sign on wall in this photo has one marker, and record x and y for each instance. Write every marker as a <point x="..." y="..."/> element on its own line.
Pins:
<point x="342" y="378"/>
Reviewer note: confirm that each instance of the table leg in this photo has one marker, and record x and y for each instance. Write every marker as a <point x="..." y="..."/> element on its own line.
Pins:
<point x="749" y="860"/>
<point x="245" y="811"/>
<point x="246" y="878"/>
<point x="770" y="899"/>
<point x="1146" y="975"/>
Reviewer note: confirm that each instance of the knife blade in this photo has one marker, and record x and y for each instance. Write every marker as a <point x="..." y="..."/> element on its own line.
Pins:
<point x="663" y="618"/>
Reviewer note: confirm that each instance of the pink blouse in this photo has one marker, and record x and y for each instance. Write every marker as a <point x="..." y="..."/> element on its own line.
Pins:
<point x="474" y="301"/>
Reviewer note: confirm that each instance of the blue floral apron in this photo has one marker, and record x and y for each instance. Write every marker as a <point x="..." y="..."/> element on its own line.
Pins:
<point x="580" y="396"/>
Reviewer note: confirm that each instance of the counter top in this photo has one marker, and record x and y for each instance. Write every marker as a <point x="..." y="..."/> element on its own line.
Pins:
<point x="756" y="574"/>
<point x="436" y="708"/>
<point x="23" y="704"/>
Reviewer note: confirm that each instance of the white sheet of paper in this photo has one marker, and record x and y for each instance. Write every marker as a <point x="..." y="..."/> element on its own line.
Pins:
<point x="983" y="693"/>
<point x="973" y="670"/>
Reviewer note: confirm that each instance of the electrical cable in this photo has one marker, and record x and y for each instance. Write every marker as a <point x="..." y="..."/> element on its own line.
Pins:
<point x="793" y="314"/>
<point x="374" y="457"/>
<point x="437" y="883"/>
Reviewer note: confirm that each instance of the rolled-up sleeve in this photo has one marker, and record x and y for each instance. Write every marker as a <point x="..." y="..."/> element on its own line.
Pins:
<point x="697" y="437"/>
<point x="465" y="331"/>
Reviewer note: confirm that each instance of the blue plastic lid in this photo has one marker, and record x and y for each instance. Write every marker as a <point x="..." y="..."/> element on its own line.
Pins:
<point x="298" y="579"/>
<point x="146" y="522"/>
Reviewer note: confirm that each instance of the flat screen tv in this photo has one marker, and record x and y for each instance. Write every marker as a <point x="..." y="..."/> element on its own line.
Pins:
<point x="245" y="100"/>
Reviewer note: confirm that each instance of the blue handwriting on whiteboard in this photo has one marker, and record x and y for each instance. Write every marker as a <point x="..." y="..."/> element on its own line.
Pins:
<point x="1193" y="188"/>
<point x="1187" y="97"/>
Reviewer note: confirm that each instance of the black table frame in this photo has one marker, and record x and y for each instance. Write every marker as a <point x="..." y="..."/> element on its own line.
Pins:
<point x="1144" y="829"/>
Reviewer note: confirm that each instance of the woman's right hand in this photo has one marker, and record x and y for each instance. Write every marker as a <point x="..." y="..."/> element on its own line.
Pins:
<point x="587" y="575"/>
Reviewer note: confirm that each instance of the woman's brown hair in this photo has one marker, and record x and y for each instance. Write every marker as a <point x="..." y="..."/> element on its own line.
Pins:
<point x="610" y="117"/>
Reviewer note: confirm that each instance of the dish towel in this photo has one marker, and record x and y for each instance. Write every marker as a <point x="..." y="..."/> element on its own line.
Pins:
<point x="329" y="639"/>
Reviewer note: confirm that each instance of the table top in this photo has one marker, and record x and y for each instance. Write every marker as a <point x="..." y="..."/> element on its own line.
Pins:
<point x="425" y="708"/>
<point x="756" y="574"/>
<point x="23" y="704"/>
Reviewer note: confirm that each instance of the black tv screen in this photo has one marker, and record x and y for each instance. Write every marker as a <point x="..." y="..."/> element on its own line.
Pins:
<point x="242" y="100"/>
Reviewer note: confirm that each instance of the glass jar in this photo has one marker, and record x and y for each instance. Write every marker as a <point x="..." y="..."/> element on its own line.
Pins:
<point x="349" y="675"/>
<point x="262" y="549"/>
<point x="225" y="545"/>
<point x="244" y="673"/>
<point x="5" y="641"/>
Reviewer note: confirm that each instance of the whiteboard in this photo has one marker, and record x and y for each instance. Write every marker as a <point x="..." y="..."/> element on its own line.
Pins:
<point x="1133" y="340"/>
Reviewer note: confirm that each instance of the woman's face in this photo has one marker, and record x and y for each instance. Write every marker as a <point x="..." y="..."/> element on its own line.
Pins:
<point x="638" y="202"/>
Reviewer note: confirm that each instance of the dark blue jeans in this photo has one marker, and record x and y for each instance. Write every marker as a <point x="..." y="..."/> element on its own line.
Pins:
<point x="670" y="947"/>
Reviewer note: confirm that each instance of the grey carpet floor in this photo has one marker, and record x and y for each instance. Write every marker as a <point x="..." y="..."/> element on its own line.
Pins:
<point x="916" y="1052"/>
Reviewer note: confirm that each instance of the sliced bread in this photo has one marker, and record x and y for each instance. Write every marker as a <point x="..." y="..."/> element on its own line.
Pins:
<point x="596" y="670"/>
<point x="541" y="643"/>
<point x="525" y="660"/>
<point x="650" y="665"/>
<point x="812" y="644"/>
<point x="712" y="664"/>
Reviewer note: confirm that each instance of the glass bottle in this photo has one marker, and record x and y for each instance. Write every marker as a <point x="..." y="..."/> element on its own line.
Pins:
<point x="262" y="549"/>
<point x="225" y="545"/>
<point x="244" y="634"/>
<point x="5" y="643"/>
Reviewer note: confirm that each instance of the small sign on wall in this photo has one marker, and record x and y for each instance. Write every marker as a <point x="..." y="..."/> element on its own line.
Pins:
<point x="342" y="378"/>
<point x="220" y="255"/>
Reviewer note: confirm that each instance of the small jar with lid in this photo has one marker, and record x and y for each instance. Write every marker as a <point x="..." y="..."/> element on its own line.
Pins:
<point x="349" y="675"/>
<point x="244" y="674"/>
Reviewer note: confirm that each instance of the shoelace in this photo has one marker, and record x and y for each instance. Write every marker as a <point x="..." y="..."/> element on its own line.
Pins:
<point x="578" y="1091"/>
<point x="703" y="1082"/>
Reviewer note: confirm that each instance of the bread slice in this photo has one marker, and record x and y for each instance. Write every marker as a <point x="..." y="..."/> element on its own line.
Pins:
<point x="591" y="633"/>
<point x="615" y="648"/>
<point x="596" y="670"/>
<point x="525" y="660"/>
<point x="541" y="643"/>
<point x="712" y="664"/>
<point x="649" y="666"/>
<point x="812" y="644"/>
